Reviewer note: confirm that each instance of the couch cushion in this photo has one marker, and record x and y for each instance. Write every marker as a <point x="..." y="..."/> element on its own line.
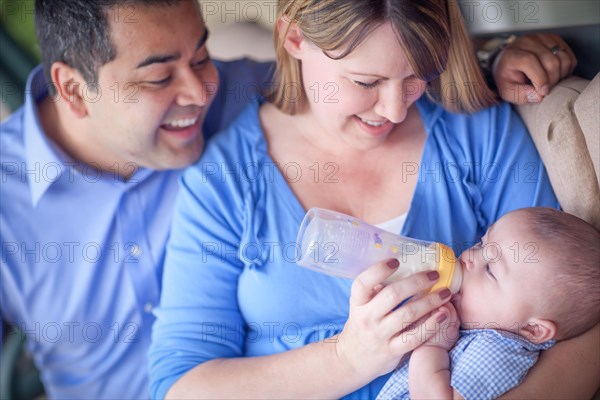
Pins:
<point x="587" y="110"/>
<point x="556" y="128"/>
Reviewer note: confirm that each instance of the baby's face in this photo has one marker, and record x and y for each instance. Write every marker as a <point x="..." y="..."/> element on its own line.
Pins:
<point x="503" y="277"/>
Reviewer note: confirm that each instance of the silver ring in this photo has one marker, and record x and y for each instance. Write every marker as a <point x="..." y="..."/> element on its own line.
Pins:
<point x="555" y="49"/>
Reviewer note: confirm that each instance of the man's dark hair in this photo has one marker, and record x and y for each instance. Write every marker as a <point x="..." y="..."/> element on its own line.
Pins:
<point x="77" y="32"/>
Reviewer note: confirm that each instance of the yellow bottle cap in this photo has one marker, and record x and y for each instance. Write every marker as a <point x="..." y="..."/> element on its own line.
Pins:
<point x="449" y="269"/>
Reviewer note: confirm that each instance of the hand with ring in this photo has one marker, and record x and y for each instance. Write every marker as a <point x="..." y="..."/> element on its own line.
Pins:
<point x="555" y="49"/>
<point x="531" y="66"/>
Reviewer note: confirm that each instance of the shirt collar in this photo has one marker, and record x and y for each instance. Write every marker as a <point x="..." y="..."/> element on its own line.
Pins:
<point x="41" y="155"/>
<point x="499" y="334"/>
<point x="44" y="160"/>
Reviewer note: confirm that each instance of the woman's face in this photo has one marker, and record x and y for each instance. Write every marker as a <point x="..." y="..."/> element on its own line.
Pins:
<point x="360" y="98"/>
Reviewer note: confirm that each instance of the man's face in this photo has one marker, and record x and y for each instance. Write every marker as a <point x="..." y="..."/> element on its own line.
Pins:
<point x="154" y="95"/>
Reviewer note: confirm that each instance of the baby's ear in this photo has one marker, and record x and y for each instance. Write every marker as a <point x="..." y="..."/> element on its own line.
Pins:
<point x="538" y="330"/>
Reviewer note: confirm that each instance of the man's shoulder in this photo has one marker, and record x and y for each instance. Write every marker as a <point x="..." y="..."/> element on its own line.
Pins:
<point x="242" y="81"/>
<point x="244" y="68"/>
<point x="233" y="153"/>
<point x="12" y="143"/>
<point x="242" y="137"/>
<point x="15" y="195"/>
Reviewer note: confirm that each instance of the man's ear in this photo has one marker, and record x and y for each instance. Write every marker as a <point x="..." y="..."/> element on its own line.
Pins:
<point x="538" y="330"/>
<point x="293" y="40"/>
<point x="70" y="86"/>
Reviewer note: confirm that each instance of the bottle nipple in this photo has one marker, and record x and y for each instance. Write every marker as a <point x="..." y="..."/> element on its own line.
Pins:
<point x="456" y="281"/>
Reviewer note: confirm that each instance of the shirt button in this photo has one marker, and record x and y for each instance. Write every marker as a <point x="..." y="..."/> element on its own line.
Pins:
<point x="136" y="250"/>
<point x="148" y="308"/>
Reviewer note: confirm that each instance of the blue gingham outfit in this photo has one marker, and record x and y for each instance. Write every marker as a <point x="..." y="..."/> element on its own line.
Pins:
<point x="484" y="364"/>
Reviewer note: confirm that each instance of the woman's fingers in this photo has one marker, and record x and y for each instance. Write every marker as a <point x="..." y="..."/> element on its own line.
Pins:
<point x="418" y="333"/>
<point x="368" y="283"/>
<point x="377" y="319"/>
<point x="393" y="294"/>
<point x="412" y="312"/>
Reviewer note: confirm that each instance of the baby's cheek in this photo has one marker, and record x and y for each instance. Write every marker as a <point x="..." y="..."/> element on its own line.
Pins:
<point x="467" y="313"/>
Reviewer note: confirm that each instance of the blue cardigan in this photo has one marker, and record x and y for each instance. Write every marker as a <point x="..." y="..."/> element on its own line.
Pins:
<point x="231" y="287"/>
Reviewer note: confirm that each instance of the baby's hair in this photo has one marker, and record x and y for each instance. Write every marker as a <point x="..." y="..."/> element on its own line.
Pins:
<point x="575" y="298"/>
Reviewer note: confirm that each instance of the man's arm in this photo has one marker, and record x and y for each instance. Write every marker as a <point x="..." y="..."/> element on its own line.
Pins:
<point x="569" y="370"/>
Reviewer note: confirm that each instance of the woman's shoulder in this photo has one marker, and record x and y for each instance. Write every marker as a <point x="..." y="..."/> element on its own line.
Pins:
<point x="235" y="160"/>
<point x="485" y="127"/>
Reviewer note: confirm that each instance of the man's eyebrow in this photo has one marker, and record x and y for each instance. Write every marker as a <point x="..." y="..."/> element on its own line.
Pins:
<point x="158" y="59"/>
<point x="165" y="58"/>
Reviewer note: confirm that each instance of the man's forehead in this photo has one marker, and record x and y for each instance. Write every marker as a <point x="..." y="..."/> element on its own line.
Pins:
<point x="142" y="19"/>
<point x="156" y="28"/>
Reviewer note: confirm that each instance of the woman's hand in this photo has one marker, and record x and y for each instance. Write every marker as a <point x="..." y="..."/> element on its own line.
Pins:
<point x="531" y="65"/>
<point x="378" y="332"/>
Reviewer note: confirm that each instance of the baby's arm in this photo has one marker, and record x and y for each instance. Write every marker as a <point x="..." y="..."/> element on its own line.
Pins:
<point x="429" y="367"/>
<point x="429" y="374"/>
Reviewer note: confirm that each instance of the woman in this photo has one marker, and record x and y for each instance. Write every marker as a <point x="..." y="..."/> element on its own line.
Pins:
<point x="348" y="129"/>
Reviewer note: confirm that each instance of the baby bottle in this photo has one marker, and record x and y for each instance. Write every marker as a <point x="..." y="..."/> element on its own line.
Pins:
<point x="340" y="245"/>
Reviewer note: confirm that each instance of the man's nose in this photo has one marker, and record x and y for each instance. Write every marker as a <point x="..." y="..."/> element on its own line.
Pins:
<point x="195" y="89"/>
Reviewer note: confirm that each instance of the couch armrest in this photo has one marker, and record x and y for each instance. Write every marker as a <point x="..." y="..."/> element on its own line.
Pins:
<point x="566" y="132"/>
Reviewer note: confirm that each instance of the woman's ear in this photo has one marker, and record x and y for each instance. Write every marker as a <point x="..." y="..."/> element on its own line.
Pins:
<point x="538" y="330"/>
<point x="70" y="87"/>
<point x="293" y="41"/>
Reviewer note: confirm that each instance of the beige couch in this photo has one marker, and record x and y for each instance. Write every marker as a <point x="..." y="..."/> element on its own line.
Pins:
<point x="240" y="29"/>
<point x="566" y="130"/>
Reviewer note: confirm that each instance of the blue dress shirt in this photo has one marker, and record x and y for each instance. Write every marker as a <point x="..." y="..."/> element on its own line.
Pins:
<point x="82" y="251"/>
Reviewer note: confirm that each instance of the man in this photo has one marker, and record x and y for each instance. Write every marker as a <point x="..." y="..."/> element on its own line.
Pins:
<point x="89" y="177"/>
<point x="89" y="170"/>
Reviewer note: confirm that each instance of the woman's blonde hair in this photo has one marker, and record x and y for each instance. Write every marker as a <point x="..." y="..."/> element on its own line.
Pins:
<point x="432" y="33"/>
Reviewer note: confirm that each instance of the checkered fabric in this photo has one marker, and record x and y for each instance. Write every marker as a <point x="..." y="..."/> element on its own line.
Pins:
<point x="484" y="364"/>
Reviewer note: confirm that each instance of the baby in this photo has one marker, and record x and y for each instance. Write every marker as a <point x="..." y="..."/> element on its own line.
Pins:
<point x="534" y="279"/>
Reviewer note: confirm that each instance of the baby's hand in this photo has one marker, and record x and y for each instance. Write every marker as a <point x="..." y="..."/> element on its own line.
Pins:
<point x="449" y="325"/>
